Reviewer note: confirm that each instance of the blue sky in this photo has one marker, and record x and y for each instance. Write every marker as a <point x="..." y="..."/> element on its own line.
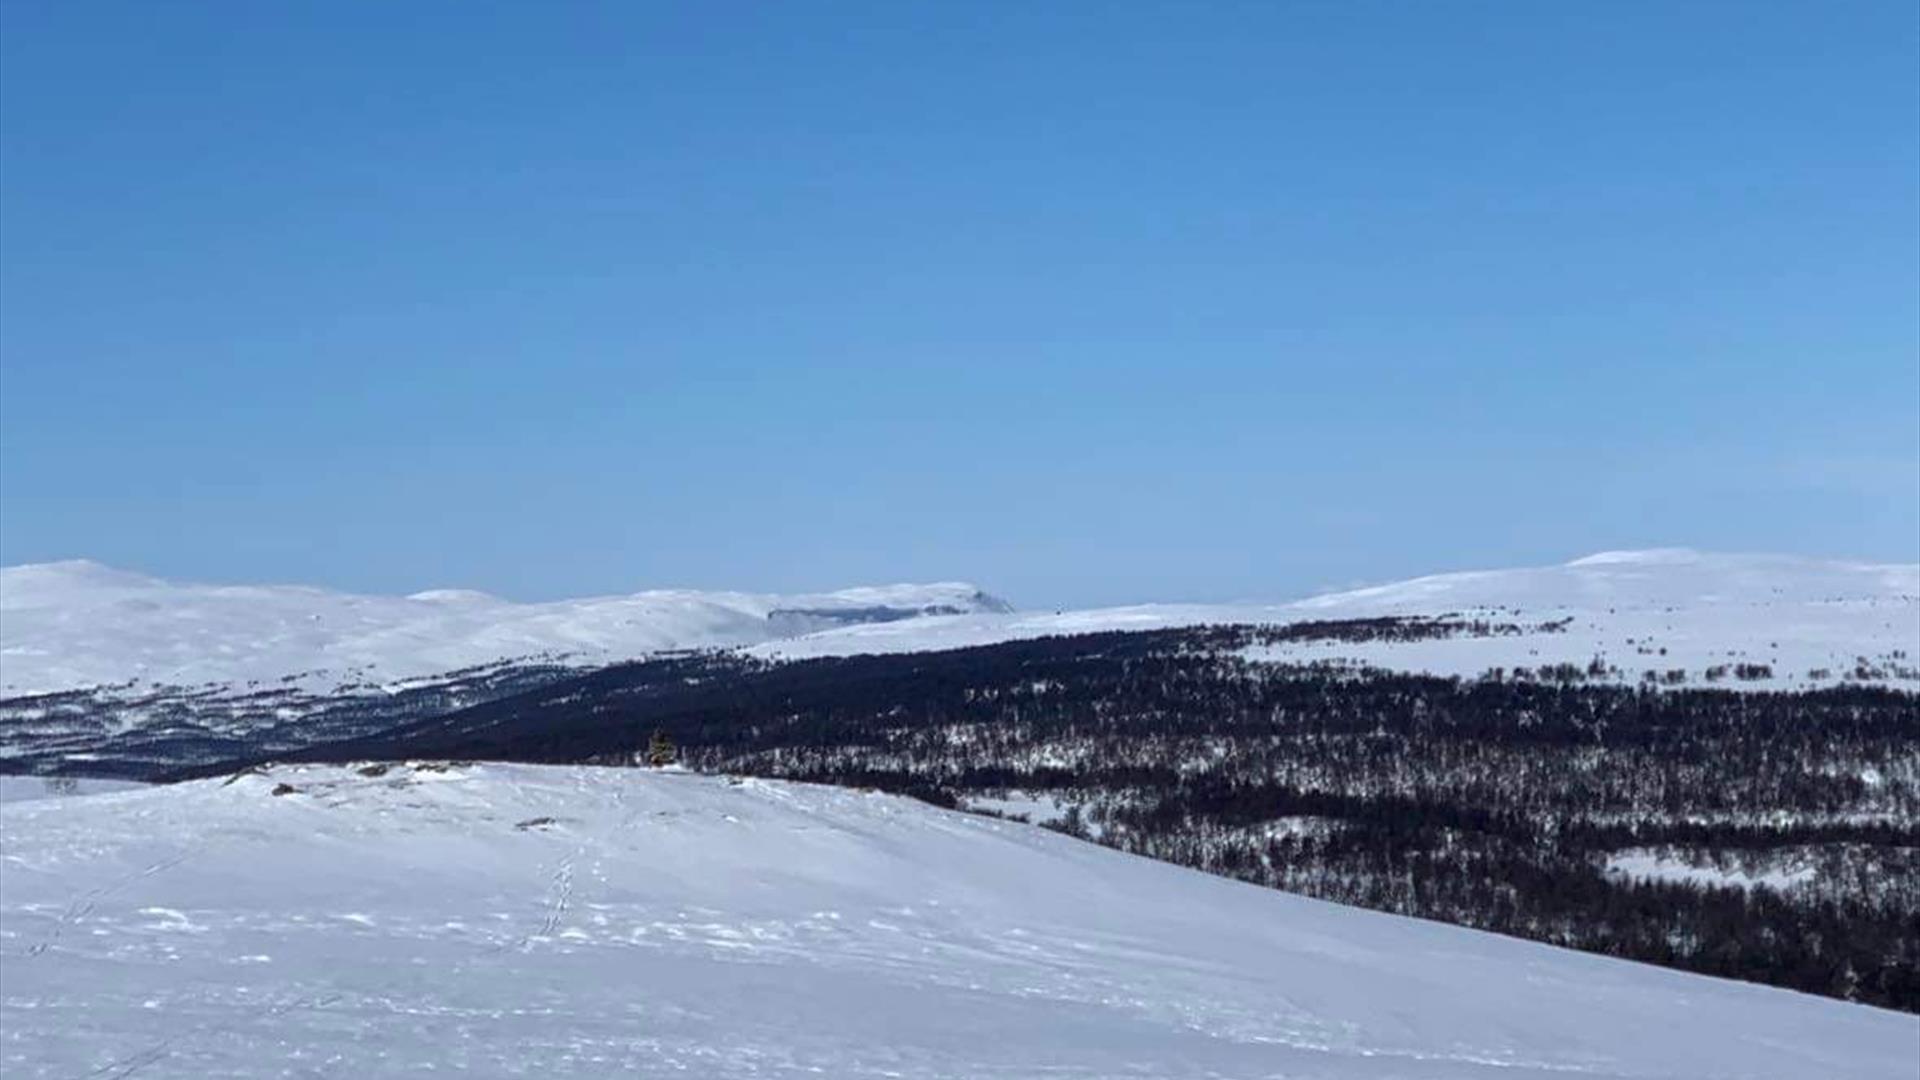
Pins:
<point x="1087" y="302"/>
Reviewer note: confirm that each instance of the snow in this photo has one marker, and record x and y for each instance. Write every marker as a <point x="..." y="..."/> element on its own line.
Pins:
<point x="1795" y="615"/>
<point x="73" y="625"/>
<point x="1038" y="807"/>
<point x="556" y="922"/>
<point x="1655" y="578"/>
<point x="1654" y="866"/>
<point x="70" y="625"/>
<point x="16" y="788"/>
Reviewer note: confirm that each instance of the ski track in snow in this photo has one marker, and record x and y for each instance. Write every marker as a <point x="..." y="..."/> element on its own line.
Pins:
<point x="82" y="906"/>
<point x="667" y="924"/>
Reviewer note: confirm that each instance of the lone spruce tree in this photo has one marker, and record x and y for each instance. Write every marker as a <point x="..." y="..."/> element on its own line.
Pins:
<point x="660" y="750"/>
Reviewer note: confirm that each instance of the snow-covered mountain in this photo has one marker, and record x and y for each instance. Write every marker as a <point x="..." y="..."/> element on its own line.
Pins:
<point x="1806" y="622"/>
<point x="77" y="624"/>
<point x="119" y="673"/>
<point x="72" y="625"/>
<point x="527" y="921"/>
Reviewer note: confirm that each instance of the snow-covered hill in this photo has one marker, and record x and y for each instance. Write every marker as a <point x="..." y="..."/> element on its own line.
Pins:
<point x="152" y="675"/>
<point x="70" y="625"/>
<point x="1808" y="622"/>
<point x="526" y="921"/>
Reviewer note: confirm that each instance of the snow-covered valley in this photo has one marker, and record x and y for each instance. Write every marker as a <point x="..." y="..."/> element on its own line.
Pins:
<point x="504" y="920"/>
<point x="1701" y="761"/>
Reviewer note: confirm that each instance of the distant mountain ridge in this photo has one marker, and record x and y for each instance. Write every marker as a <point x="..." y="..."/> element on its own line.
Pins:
<point x="1687" y="617"/>
<point x="79" y="624"/>
<point x="118" y="673"/>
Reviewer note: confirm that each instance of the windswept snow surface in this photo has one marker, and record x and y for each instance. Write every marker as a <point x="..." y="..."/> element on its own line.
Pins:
<point x="559" y="922"/>
<point x="71" y="625"/>
<point x="1811" y="622"/>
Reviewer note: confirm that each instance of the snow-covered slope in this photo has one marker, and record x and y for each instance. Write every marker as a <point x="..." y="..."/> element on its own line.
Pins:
<point x="552" y="922"/>
<point x="70" y="625"/>
<point x="1809" y="621"/>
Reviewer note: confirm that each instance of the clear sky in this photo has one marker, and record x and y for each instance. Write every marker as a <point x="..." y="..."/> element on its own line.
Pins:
<point x="1088" y="303"/>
